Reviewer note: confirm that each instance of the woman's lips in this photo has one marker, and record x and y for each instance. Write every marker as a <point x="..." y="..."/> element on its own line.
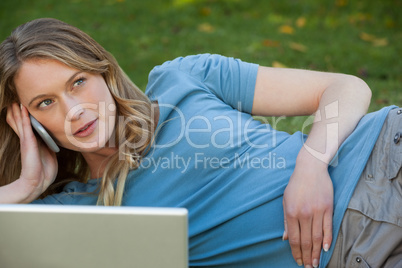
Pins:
<point x="87" y="129"/>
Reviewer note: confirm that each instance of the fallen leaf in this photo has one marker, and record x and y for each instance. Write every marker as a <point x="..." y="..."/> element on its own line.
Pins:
<point x="277" y="64"/>
<point x="367" y="37"/>
<point x="382" y="101"/>
<point x="205" y="11"/>
<point x="362" y="72"/>
<point x="286" y="29"/>
<point x="301" y="22"/>
<point x="377" y="42"/>
<point x="359" y="17"/>
<point x="298" y="47"/>
<point x="389" y="22"/>
<point x="270" y="43"/>
<point x="206" y="28"/>
<point x="341" y="3"/>
<point x="381" y="42"/>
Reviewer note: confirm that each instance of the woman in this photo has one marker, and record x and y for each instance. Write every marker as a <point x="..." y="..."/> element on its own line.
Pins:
<point x="189" y="142"/>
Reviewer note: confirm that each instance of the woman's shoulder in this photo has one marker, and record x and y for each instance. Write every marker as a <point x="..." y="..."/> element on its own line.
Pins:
<point x="73" y="193"/>
<point x="195" y="64"/>
<point x="177" y="72"/>
<point x="183" y="62"/>
<point x="205" y="68"/>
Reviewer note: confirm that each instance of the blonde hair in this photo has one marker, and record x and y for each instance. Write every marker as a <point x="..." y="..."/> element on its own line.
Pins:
<point x="53" y="39"/>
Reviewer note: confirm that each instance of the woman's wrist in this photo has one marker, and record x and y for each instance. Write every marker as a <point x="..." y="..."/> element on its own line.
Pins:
<point x="306" y="159"/>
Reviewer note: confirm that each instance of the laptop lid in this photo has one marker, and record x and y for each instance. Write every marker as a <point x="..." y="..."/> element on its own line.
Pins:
<point x="92" y="236"/>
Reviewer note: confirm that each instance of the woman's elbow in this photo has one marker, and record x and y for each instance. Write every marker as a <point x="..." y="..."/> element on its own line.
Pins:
<point x="366" y="91"/>
<point x="360" y="90"/>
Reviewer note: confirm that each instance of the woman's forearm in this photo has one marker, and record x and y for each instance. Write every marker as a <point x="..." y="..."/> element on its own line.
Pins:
<point x="12" y="194"/>
<point x="308" y="198"/>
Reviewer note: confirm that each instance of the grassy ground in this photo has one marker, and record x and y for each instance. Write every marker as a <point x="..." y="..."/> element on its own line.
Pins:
<point x="359" y="37"/>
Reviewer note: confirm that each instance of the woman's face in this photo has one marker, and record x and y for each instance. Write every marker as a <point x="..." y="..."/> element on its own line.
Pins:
<point x="75" y="107"/>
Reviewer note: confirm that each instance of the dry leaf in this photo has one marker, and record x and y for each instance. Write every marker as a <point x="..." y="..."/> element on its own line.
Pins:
<point x="380" y="42"/>
<point x="367" y="37"/>
<point x="382" y="101"/>
<point x="301" y="22"/>
<point x="362" y="72"/>
<point x="286" y="29"/>
<point x="359" y="17"/>
<point x="389" y="22"/>
<point x="277" y="64"/>
<point x="270" y="43"/>
<point x="341" y="3"/>
<point x="206" y="28"/>
<point x="298" y="47"/>
<point x="205" y="11"/>
<point x="377" y="42"/>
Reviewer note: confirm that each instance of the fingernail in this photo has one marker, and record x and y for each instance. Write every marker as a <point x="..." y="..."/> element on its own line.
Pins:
<point x="283" y="236"/>
<point x="308" y="266"/>
<point x="315" y="263"/>
<point x="326" y="247"/>
<point x="299" y="262"/>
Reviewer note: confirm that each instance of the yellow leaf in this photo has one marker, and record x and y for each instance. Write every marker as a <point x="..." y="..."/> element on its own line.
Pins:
<point x="380" y="42"/>
<point x="286" y="29"/>
<point x="277" y="64"/>
<point x="301" y="22"/>
<point x="206" y="28"/>
<point x="341" y="3"/>
<point x="298" y="47"/>
<point x="367" y="37"/>
<point x="205" y="11"/>
<point x="389" y="22"/>
<point x="377" y="42"/>
<point x="359" y="17"/>
<point x="270" y="43"/>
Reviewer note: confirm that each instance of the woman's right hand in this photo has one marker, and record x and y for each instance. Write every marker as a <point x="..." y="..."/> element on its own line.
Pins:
<point x="39" y="163"/>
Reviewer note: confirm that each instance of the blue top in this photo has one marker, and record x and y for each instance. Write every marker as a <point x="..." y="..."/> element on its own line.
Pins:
<point x="229" y="170"/>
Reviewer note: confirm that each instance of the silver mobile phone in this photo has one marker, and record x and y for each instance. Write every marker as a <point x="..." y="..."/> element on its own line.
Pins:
<point x="44" y="135"/>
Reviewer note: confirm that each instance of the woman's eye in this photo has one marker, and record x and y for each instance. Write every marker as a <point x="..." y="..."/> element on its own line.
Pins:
<point x="45" y="103"/>
<point x="78" y="82"/>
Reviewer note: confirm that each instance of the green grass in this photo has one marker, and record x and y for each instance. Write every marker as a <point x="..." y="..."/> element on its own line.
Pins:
<point x="359" y="37"/>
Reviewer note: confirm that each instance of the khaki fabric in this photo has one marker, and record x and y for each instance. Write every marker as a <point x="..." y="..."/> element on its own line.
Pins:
<point x="371" y="230"/>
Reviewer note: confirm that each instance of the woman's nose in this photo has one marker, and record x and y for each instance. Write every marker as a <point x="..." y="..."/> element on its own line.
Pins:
<point x="74" y="109"/>
<point x="75" y="113"/>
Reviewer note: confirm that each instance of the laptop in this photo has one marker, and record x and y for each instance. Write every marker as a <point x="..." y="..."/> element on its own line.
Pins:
<point x="92" y="236"/>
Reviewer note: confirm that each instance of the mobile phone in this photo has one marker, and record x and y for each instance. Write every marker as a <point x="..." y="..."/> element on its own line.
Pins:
<point x="44" y="135"/>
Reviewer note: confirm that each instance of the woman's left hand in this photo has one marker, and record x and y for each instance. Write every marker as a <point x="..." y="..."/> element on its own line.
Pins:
<point x="308" y="208"/>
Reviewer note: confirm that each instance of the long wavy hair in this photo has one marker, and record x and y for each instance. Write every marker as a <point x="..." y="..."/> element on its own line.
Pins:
<point x="53" y="39"/>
